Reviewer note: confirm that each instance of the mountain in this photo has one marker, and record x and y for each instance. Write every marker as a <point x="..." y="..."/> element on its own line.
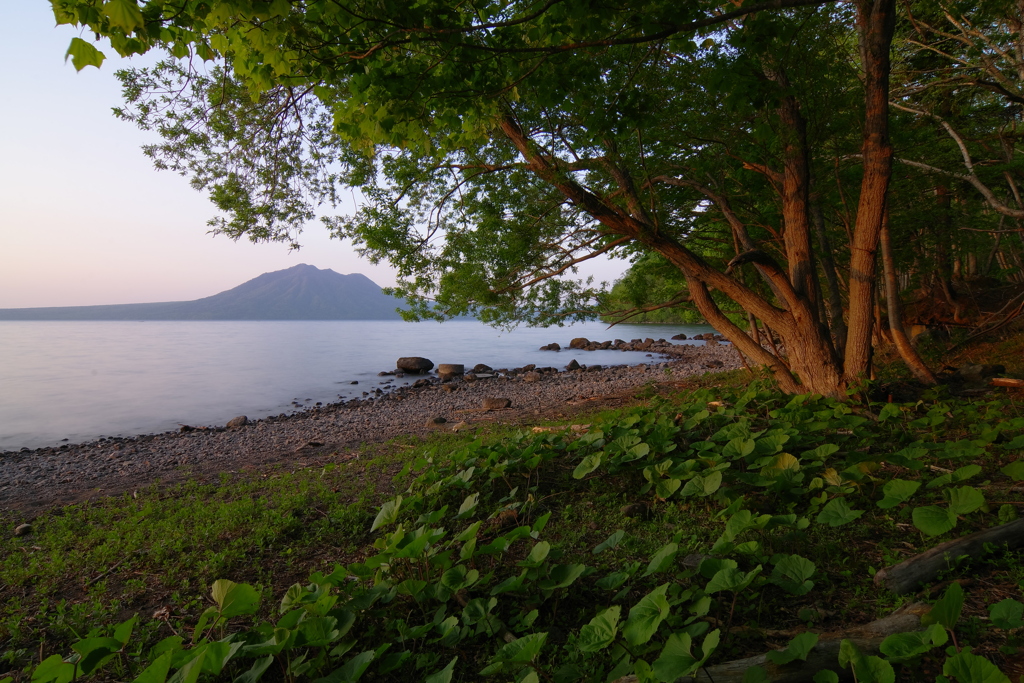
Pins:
<point x="301" y="292"/>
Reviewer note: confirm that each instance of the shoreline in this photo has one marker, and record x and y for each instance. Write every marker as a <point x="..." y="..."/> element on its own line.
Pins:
<point x="33" y="480"/>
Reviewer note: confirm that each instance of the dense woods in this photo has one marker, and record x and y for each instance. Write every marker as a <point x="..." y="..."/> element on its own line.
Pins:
<point x="796" y="171"/>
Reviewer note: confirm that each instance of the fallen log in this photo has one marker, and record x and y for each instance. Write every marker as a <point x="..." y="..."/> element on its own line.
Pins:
<point x="1006" y="382"/>
<point x="909" y="574"/>
<point x="824" y="655"/>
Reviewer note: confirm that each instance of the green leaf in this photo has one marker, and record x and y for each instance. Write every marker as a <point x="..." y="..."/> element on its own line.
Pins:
<point x="537" y="555"/>
<point x="587" y="465"/>
<point x="467" y="507"/>
<point x="965" y="500"/>
<point x="83" y="54"/>
<point x="756" y="674"/>
<point x="897" y="491"/>
<point x="235" y="599"/>
<point x="1015" y="470"/>
<point x="1007" y="614"/>
<point x="798" y="648"/>
<point x="123" y="14"/>
<point x="900" y="647"/>
<point x="946" y="610"/>
<point x="444" y="675"/>
<point x="609" y="542"/>
<point x="962" y="474"/>
<point x="562" y="576"/>
<point x="522" y="649"/>
<point x="731" y="579"/>
<point x="662" y="560"/>
<point x="123" y="631"/>
<point x="255" y="672"/>
<point x="676" y="658"/>
<point x="601" y="630"/>
<point x="739" y="447"/>
<point x="161" y="666"/>
<point x="703" y="485"/>
<point x="970" y="668"/>
<point x="933" y="520"/>
<point x="53" y="668"/>
<point x="792" y="574"/>
<point x="837" y="513"/>
<point x="666" y="487"/>
<point x="95" y="652"/>
<point x="388" y="513"/>
<point x="646" y="616"/>
<point x="352" y="670"/>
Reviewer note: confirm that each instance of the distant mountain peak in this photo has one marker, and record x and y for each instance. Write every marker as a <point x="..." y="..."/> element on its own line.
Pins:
<point x="301" y="292"/>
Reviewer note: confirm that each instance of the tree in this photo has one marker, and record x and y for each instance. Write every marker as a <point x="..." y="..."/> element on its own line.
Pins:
<point x="501" y="143"/>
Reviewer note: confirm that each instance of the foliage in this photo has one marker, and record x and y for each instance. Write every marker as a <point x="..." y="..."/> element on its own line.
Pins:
<point x="471" y="572"/>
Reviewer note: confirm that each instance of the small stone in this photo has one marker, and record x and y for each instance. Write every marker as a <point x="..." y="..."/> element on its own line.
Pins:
<point x="636" y="510"/>
<point x="353" y="382"/>
<point x="23" y="530"/>
<point x="573" y="365"/>
<point x="239" y="421"/>
<point x="434" y="421"/>
<point x="532" y="376"/>
<point x="480" y="367"/>
<point x="496" y="403"/>
<point x="451" y="369"/>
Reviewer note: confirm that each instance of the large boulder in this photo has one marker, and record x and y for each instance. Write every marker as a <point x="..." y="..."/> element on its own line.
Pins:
<point x="579" y="343"/>
<point x="239" y="421"/>
<point x="415" y="364"/>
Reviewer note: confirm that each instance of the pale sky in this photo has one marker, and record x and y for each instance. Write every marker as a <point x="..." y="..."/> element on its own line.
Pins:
<point x="84" y="217"/>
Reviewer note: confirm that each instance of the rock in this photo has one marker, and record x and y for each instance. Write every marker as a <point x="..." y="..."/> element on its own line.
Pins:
<point x="594" y="368"/>
<point x="573" y="365"/>
<point x="448" y="388"/>
<point x="551" y="347"/>
<point x="480" y="367"/>
<point x="450" y="369"/>
<point x="420" y="383"/>
<point x="711" y="342"/>
<point x="496" y="403"/>
<point x="636" y="510"/>
<point x="414" y="364"/>
<point x="434" y="421"/>
<point x="382" y="373"/>
<point x="679" y="337"/>
<point x="579" y="343"/>
<point x="528" y="368"/>
<point x="532" y="376"/>
<point x="353" y="382"/>
<point x="469" y="377"/>
<point x="976" y="373"/>
<point x="23" y="530"/>
<point x="239" y="421"/>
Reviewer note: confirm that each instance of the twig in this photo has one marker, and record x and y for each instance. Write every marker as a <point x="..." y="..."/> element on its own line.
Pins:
<point x="115" y="566"/>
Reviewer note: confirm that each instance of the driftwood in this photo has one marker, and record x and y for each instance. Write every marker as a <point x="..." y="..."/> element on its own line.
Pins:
<point x="908" y="575"/>
<point x="824" y="655"/>
<point x="1006" y="382"/>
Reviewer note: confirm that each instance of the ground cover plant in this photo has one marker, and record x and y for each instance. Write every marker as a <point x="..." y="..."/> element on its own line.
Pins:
<point x="658" y="539"/>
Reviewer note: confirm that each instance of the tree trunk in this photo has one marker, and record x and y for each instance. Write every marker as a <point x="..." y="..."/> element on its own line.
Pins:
<point x="892" y="299"/>
<point x="875" y="23"/>
<point x="835" y="299"/>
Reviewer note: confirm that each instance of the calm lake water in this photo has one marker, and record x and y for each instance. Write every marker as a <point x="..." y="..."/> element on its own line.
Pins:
<point x="83" y="380"/>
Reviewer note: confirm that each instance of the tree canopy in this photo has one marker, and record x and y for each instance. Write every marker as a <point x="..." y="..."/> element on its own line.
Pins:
<point x="500" y="143"/>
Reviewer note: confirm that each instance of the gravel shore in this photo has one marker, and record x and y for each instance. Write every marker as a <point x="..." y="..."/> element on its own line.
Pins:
<point x="33" y="480"/>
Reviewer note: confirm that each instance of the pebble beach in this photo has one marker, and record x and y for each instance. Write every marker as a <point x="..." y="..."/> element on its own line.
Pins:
<point x="32" y="480"/>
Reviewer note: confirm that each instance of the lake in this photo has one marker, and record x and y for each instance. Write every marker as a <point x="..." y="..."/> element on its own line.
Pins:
<point x="82" y="380"/>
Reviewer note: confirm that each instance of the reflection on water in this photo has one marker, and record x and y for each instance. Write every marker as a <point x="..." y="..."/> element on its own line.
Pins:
<point x="81" y="380"/>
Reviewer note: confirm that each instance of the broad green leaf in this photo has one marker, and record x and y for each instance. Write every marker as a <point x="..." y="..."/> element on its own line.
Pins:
<point x="961" y="474"/>
<point x="966" y="667"/>
<point x="444" y="675"/>
<point x="468" y="505"/>
<point x="255" y="672"/>
<point x="537" y="555"/>
<point x="703" y="485"/>
<point x="826" y="676"/>
<point x="663" y="559"/>
<point x="676" y="658"/>
<point x="965" y="500"/>
<point x="646" y="616"/>
<point x="609" y="542"/>
<point x="235" y="599"/>
<point x="933" y="520"/>
<point x="562" y="576"/>
<point x="521" y="650"/>
<point x="897" y="491"/>
<point x="157" y="671"/>
<point x="792" y="574"/>
<point x="587" y="465"/>
<point x="946" y="610"/>
<point x="666" y="487"/>
<point x="900" y="647"/>
<point x="95" y="652"/>
<point x="821" y="452"/>
<point x="388" y="513"/>
<point x="1007" y="614"/>
<point x="798" y="648"/>
<point x="83" y="54"/>
<point x="123" y="631"/>
<point x="837" y="513"/>
<point x="756" y="674"/>
<point x="1015" y="470"/>
<point x="53" y="668"/>
<point x="739" y="447"/>
<point x="123" y="14"/>
<point x="601" y="630"/>
<point x="731" y="579"/>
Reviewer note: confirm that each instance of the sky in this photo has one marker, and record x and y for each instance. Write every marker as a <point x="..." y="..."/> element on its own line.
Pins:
<point x="85" y="219"/>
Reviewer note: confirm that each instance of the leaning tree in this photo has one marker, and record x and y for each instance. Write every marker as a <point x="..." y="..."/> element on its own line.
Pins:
<point x="499" y="144"/>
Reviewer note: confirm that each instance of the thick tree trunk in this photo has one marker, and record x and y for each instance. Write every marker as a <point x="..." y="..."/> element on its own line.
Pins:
<point x="876" y="21"/>
<point x="835" y="299"/>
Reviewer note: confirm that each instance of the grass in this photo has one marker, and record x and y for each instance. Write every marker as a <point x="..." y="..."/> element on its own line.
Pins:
<point x="156" y="553"/>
